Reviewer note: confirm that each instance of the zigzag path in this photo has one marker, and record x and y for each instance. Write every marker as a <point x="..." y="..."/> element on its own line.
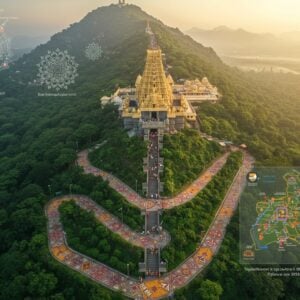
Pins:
<point x="149" y="204"/>
<point x="177" y="278"/>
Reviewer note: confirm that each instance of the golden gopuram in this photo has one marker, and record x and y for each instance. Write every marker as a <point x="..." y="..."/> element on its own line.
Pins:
<point x="157" y="102"/>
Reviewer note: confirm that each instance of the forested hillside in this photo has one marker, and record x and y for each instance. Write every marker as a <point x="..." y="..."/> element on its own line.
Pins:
<point x="39" y="138"/>
<point x="186" y="155"/>
<point x="255" y="109"/>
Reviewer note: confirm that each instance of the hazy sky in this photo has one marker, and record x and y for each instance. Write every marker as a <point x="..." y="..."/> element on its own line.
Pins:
<point x="45" y="17"/>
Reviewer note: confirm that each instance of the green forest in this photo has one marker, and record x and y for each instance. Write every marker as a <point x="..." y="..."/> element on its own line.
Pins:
<point x="259" y="110"/>
<point x="109" y="199"/>
<point x="123" y="157"/>
<point x="185" y="155"/>
<point x="226" y="279"/>
<point x="27" y="268"/>
<point x="40" y="136"/>
<point x="87" y="236"/>
<point x="186" y="223"/>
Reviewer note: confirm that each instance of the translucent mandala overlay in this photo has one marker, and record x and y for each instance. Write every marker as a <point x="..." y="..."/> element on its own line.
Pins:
<point x="93" y="51"/>
<point x="57" y="70"/>
<point x="5" y="52"/>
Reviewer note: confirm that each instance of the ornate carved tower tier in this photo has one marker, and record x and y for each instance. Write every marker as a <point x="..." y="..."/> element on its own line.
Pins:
<point x="154" y="104"/>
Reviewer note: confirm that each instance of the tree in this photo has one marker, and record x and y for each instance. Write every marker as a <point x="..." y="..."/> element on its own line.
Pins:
<point x="86" y="132"/>
<point x="209" y="290"/>
<point x="41" y="284"/>
<point x="3" y="216"/>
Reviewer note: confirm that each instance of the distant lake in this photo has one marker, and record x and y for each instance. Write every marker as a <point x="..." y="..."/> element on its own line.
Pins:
<point x="256" y="57"/>
<point x="264" y="63"/>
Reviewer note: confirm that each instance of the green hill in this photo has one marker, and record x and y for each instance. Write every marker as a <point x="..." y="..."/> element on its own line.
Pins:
<point x="186" y="155"/>
<point x="252" y="111"/>
<point x="39" y="136"/>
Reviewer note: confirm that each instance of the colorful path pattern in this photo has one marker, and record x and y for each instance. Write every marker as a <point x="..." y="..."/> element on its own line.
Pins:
<point x="278" y="218"/>
<point x="112" y="222"/>
<point x="197" y="186"/>
<point x="150" y="204"/>
<point x="179" y="277"/>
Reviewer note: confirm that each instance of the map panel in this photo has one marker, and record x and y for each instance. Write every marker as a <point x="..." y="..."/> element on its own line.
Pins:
<point x="270" y="217"/>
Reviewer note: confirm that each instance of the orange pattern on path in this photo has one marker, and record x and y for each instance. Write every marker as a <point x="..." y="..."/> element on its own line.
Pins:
<point x="177" y="278"/>
<point x="149" y="204"/>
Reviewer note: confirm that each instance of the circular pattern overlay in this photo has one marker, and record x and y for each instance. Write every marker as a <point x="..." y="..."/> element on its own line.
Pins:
<point x="93" y="51"/>
<point x="57" y="70"/>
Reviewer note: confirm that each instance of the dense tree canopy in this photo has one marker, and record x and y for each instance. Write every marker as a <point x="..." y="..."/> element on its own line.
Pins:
<point x="39" y="137"/>
<point x="86" y="235"/>
<point x="187" y="223"/>
<point x="123" y="157"/>
<point x="185" y="155"/>
<point x="260" y="110"/>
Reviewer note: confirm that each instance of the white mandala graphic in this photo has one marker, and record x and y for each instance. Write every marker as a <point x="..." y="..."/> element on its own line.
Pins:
<point x="93" y="51"/>
<point x="57" y="70"/>
<point x="4" y="49"/>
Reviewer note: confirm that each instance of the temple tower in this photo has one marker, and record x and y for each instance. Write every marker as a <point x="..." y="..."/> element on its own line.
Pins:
<point x="154" y="104"/>
<point x="153" y="90"/>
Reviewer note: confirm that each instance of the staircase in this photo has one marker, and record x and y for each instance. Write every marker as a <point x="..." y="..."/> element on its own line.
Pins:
<point x="152" y="262"/>
<point x="152" y="265"/>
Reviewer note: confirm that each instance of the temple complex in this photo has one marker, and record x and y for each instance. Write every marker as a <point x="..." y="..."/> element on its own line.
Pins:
<point x="197" y="91"/>
<point x="156" y="102"/>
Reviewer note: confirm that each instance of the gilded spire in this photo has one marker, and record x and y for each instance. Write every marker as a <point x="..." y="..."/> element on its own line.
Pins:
<point x="154" y="90"/>
<point x="158" y="102"/>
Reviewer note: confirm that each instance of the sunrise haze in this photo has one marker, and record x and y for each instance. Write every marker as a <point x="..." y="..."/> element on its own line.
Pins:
<point x="47" y="17"/>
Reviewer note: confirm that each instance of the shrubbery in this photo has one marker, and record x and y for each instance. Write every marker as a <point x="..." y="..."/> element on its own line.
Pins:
<point x="86" y="235"/>
<point x="186" y="223"/>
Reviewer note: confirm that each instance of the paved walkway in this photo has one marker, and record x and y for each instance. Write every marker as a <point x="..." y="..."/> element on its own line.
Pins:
<point x="152" y="219"/>
<point x="149" y="204"/>
<point x="152" y="288"/>
<point x="87" y="266"/>
<point x="198" y="185"/>
<point x="209" y="246"/>
<point x="111" y="222"/>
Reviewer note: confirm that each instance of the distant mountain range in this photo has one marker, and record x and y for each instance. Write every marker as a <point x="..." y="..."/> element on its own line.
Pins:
<point x="227" y="41"/>
<point x="26" y="42"/>
<point x="22" y="44"/>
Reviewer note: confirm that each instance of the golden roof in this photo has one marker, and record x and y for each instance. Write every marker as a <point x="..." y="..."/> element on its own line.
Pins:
<point x="154" y="89"/>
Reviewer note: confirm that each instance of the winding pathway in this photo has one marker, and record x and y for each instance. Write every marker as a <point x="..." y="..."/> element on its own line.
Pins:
<point x="179" y="277"/>
<point x="149" y="204"/>
<point x="111" y="222"/>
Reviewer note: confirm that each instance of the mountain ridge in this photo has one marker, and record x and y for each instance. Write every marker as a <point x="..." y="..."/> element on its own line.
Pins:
<point x="129" y="23"/>
<point x="228" y="41"/>
<point x="121" y="33"/>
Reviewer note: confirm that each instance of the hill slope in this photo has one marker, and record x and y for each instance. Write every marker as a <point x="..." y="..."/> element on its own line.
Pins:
<point x="39" y="136"/>
<point x="250" y="112"/>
